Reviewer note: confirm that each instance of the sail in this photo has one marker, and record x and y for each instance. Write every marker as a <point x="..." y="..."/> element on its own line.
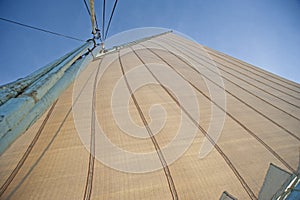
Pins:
<point x="158" y="118"/>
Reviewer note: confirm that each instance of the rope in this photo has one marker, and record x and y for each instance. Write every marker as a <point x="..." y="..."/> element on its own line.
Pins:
<point x="91" y="12"/>
<point x="111" y="15"/>
<point x="42" y="30"/>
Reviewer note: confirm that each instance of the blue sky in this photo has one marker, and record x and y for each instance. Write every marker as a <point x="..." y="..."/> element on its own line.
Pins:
<point x="265" y="33"/>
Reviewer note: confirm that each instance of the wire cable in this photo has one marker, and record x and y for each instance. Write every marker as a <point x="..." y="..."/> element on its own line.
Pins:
<point x="87" y="7"/>
<point x="42" y="30"/>
<point x="88" y="10"/>
<point x="111" y="15"/>
<point x="103" y="17"/>
<point x="93" y="17"/>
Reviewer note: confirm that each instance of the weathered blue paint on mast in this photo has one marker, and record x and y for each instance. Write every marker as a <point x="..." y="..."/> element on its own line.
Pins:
<point x="42" y="89"/>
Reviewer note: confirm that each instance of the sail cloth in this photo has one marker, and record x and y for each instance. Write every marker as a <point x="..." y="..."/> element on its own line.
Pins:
<point x="60" y="157"/>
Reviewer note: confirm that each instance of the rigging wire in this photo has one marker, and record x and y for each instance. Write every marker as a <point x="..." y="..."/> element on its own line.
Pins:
<point x="103" y="17"/>
<point x="87" y="7"/>
<point x="95" y="29"/>
<point x="42" y="30"/>
<point x="111" y="15"/>
<point x="88" y="10"/>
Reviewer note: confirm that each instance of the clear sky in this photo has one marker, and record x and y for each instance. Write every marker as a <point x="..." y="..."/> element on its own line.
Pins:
<point x="265" y="33"/>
